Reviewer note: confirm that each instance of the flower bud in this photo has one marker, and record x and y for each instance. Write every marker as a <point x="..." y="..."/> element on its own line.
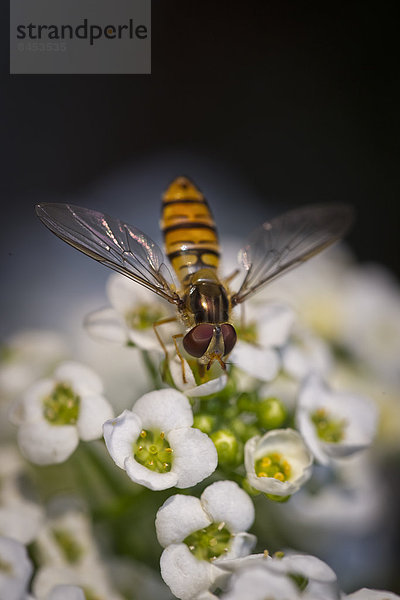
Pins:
<point x="271" y="413"/>
<point x="229" y="449"/>
<point x="204" y="422"/>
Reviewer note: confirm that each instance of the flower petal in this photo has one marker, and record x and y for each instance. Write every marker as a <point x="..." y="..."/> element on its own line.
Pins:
<point x="242" y="544"/>
<point x="195" y="456"/>
<point x="30" y="407"/>
<point x="45" y="444"/>
<point x="256" y="580"/>
<point x="151" y="479"/>
<point x="178" y="517"/>
<point x="16" y="569"/>
<point x="187" y="576"/>
<point x="120" y="434"/>
<point x="210" y="387"/>
<point x="164" y="409"/>
<point x="262" y="363"/>
<point x="274" y="322"/>
<point x="93" y="412"/>
<point x="368" y="594"/>
<point x="82" y="379"/>
<point x="66" y="592"/>
<point x="226" y="501"/>
<point x="107" y="325"/>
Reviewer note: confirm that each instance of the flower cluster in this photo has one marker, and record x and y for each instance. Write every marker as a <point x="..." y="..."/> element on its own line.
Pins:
<point x="276" y="451"/>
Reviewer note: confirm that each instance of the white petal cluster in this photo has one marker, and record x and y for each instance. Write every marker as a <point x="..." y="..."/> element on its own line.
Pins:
<point x="46" y="437"/>
<point x="20" y="517"/>
<point x="66" y="592"/>
<point x="367" y="594"/>
<point x="271" y="325"/>
<point x="68" y="557"/>
<point x="258" y="577"/>
<point x="28" y="355"/>
<point x="167" y="412"/>
<point x="130" y="318"/>
<point x="92" y="579"/>
<point x="306" y="353"/>
<point x="289" y="447"/>
<point x="222" y="503"/>
<point x="348" y="497"/>
<point x="355" y="416"/>
<point x="15" y="569"/>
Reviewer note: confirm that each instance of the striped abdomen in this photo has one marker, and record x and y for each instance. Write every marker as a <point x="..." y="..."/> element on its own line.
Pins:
<point x="190" y="235"/>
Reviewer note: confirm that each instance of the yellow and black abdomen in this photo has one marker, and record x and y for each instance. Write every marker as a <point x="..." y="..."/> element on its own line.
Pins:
<point x="190" y="235"/>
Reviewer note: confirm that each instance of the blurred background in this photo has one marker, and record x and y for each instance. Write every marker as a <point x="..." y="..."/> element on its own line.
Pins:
<point x="266" y="105"/>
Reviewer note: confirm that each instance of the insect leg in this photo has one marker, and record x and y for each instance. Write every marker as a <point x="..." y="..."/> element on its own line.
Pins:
<point x="175" y="337"/>
<point x="228" y="279"/>
<point x="158" y="324"/>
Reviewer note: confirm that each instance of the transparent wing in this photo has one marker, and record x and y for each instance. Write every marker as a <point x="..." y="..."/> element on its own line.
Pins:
<point x="287" y="241"/>
<point x="112" y="242"/>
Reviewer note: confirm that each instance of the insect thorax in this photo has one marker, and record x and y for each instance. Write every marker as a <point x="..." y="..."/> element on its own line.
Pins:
<point x="206" y="299"/>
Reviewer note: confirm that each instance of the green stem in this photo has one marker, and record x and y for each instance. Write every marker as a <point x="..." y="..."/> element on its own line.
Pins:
<point x="151" y="369"/>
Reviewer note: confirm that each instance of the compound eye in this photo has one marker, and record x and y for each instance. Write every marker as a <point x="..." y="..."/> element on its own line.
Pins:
<point x="230" y="337"/>
<point x="197" y="340"/>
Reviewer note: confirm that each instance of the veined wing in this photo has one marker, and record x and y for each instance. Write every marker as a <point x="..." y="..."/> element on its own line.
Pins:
<point x="289" y="240"/>
<point x="112" y="242"/>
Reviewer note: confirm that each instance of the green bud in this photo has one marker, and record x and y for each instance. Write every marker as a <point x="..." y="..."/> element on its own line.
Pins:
<point x="204" y="422"/>
<point x="243" y="430"/>
<point x="271" y="413"/>
<point x="229" y="449"/>
<point x="247" y="402"/>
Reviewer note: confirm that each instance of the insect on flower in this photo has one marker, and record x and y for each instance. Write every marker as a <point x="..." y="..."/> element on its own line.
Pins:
<point x="203" y="300"/>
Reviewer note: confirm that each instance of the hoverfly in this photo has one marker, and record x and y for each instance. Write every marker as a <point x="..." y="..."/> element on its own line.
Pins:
<point x="203" y="300"/>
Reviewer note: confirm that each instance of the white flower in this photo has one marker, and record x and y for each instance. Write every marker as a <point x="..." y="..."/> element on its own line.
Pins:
<point x="55" y="413"/>
<point x="156" y="444"/>
<point x="92" y="579"/>
<point x="20" y="517"/>
<point x="316" y="291"/>
<point x="277" y="463"/>
<point x="306" y="353"/>
<point x="258" y="583"/>
<point x="267" y="328"/>
<point x="200" y="534"/>
<point x="321" y="581"/>
<point x="15" y="569"/>
<point x="134" y="310"/>
<point x="347" y="498"/>
<point x="190" y="388"/>
<point x="294" y="576"/>
<point x="26" y="356"/>
<point x="367" y="594"/>
<point x="334" y="425"/>
<point x="371" y="323"/>
<point x="66" y="539"/>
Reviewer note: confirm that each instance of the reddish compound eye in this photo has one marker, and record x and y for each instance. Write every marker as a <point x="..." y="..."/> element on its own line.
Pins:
<point x="230" y="337"/>
<point x="197" y="340"/>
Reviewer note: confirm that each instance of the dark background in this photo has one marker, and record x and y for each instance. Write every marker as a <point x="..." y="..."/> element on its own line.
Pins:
<point x="298" y="100"/>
